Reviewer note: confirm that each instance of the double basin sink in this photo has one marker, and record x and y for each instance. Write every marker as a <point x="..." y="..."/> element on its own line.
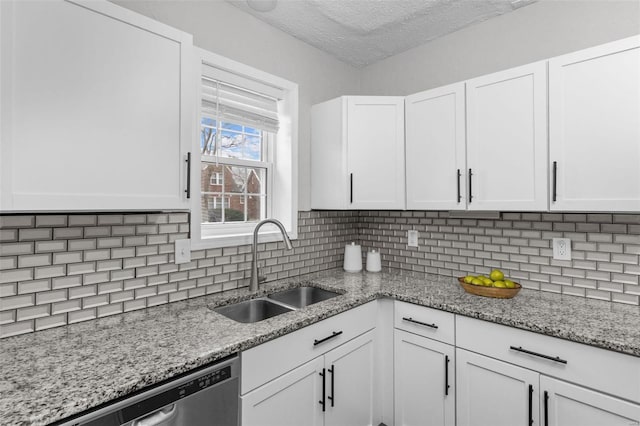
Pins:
<point x="255" y="310"/>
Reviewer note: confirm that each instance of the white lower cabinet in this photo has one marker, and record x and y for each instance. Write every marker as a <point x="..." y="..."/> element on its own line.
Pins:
<point x="448" y="370"/>
<point x="333" y="389"/>
<point x="424" y="381"/>
<point x="349" y="382"/>
<point x="494" y="393"/>
<point x="289" y="400"/>
<point x="565" y="404"/>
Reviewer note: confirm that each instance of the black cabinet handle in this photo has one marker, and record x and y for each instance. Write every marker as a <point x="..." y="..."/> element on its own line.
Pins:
<point x="546" y="408"/>
<point x="446" y="375"/>
<point x="351" y="188"/>
<point x="459" y="194"/>
<point x="409" y="319"/>
<point x="332" y="398"/>
<point x="525" y="351"/>
<point x="324" y="389"/>
<point x="555" y="181"/>
<point x="335" y="333"/>
<point x="188" y="190"/>
<point x="470" y="192"/>
<point x="530" y="405"/>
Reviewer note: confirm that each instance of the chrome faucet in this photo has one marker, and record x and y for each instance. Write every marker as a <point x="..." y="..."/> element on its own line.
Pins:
<point x="253" y="284"/>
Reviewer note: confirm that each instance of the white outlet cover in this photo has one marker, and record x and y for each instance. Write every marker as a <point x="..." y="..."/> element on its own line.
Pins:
<point x="183" y="251"/>
<point x="562" y="248"/>
<point x="412" y="238"/>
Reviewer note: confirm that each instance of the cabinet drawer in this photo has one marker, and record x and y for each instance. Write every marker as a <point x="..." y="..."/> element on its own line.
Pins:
<point x="272" y="359"/>
<point x="427" y="322"/>
<point x="600" y="369"/>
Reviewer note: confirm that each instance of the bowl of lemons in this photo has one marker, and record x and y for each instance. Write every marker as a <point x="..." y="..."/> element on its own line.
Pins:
<point x="495" y="285"/>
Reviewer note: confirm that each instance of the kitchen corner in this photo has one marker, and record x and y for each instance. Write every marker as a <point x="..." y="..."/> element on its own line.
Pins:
<point x="53" y="374"/>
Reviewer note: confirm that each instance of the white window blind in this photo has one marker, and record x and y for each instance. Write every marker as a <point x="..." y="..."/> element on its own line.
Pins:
<point x="227" y="102"/>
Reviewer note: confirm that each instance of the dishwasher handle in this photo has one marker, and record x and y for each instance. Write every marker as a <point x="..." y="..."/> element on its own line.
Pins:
<point x="157" y="417"/>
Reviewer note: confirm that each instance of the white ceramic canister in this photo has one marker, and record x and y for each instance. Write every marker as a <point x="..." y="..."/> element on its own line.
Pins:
<point x="353" y="258"/>
<point x="374" y="263"/>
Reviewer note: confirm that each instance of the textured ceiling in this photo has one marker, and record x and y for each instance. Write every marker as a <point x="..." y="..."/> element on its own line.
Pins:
<point x="361" y="32"/>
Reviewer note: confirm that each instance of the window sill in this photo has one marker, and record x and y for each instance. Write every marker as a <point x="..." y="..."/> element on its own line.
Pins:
<point x="239" y="239"/>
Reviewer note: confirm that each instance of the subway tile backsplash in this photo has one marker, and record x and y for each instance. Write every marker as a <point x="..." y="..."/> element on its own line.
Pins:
<point x="62" y="269"/>
<point x="605" y="249"/>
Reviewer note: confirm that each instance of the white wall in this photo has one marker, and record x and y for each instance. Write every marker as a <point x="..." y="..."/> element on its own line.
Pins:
<point x="223" y="29"/>
<point x="541" y="30"/>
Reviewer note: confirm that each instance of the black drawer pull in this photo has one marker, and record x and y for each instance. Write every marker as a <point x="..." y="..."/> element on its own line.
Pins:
<point x="546" y="408"/>
<point x="555" y="182"/>
<point x="530" y="405"/>
<point x="351" y="188"/>
<point x="331" y="398"/>
<point x="335" y="333"/>
<point x="324" y="389"/>
<point x="459" y="193"/>
<point x="470" y="191"/>
<point x="188" y="161"/>
<point x="446" y="375"/>
<point x="409" y="319"/>
<point x="551" y="358"/>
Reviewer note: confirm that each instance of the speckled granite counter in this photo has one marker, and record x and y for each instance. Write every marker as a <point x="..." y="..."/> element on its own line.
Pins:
<point x="53" y="374"/>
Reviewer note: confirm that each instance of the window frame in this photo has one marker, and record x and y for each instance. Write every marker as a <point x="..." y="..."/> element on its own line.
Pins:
<point x="282" y="175"/>
<point x="218" y="179"/>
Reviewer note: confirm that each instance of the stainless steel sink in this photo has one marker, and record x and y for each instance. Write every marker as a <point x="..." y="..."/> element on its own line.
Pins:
<point x="300" y="297"/>
<point x="252" y="310"/>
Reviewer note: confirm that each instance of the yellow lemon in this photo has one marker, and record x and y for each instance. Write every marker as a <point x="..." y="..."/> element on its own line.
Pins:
<point x="500" y="284"/>
<point x="469" y="278"/>
<point x="510" y="284"/>
<point x="487" y="281"/>
<point x="496" y="275"/>
<point x="476" y="281"/>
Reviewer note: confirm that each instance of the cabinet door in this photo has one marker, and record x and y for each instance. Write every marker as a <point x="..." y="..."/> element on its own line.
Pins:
<point x="564" y="404"/>
<point x="507" y="140"/>
<point x="375" y="152"/>
<point x="290" y="400"/>
<point x="494" y="393"/>
<point x="424" y="381"/>
<point x="350" y="393"/>
<point x="594" y="113"/>
<point x="95" y="107"/>
<point x="435" y="145"/>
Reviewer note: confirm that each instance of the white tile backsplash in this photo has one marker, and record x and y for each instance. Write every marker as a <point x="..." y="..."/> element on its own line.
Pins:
<point x="106" y="264"/>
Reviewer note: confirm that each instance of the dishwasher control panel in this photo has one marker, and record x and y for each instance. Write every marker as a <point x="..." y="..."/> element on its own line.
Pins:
<point x="203" y="382"/>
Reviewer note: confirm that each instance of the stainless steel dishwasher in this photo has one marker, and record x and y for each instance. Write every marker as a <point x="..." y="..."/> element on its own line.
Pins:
<point x="206" y="397"/>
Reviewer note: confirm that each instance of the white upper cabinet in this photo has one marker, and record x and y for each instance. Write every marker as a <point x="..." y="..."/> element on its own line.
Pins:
<point x="435" y="146"/>
<point x="594" y="122"/>
<point x="96" y="111"/>
<point x="357" y="153"/>
<point x="507" y="140"/>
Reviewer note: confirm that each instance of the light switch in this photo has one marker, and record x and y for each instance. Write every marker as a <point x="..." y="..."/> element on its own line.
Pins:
<point x="183" y="251"/>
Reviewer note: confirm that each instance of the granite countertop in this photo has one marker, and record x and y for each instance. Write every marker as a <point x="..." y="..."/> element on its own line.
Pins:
<point x="53" y="374"/>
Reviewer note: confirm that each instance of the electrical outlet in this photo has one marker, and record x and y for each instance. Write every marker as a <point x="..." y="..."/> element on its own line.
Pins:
<point x="412" y="238"/>
<point x="183" y="251"/>
<point x="562" y="248"/>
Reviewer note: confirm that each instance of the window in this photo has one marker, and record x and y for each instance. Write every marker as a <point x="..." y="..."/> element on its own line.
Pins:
<point x="215" y="179"/>
<point x="246" y="150"/>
